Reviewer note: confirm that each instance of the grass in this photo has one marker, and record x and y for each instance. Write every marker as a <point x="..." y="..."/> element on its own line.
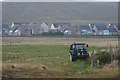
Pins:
<point x="40" y="51"/>
<point x="27" y="55"/>
<point x="31" y="57"/>
<point x="58" y="41"/>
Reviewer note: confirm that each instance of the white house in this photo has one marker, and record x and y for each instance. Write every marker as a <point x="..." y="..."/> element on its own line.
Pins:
<point x="59" y="26"/>
<point x="55" y="27"/>
<point x="45" y="27"/>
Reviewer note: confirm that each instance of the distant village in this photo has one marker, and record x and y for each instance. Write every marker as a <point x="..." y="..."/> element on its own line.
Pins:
<point x="66" y="29"/>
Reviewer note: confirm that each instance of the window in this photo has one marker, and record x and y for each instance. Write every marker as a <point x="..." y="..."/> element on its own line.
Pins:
<point x="77" y="47"/>
<point x="80" y="46"/>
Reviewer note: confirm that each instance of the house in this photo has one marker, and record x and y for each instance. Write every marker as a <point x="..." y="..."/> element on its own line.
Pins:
<point x="12" y="30"/>
<point x="0" y="30"/>
<point x="22" y="30"/>
<point x="29" y="29"/>
<point x="5" y="29"/>
<point x="112" y="31"/>
<point x="17" y="29"/>
<point x="56" y="26"/>
<point x="115" y="25"/>
<point x="36" y="29"/>
<point x="64" y="27"/>
<point x="17" y="24"/>
<point x="45" y="27"/>
<point x="67" y="32"/>
<point x="74" y="30"/>
<point x="91" y="26"/>
<point x="85" y="29"/>
<point x="101" y="29"/>
<point x="111" y="26"/>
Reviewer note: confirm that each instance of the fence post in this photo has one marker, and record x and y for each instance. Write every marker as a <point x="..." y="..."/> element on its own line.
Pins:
<point x="92" y="60"/>
<point x="111" y="53"/>
<point x="98" y="62"/>
<point x="115" y="53"/>
<point x="82" y="65"/>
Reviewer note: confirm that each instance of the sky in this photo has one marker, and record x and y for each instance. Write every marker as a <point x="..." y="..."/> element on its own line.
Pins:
<point x="60" y="0"/>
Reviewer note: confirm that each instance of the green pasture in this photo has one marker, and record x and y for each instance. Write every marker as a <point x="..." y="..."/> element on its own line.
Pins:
<point x="49" y="55"/>
<point x="29" y="54"/>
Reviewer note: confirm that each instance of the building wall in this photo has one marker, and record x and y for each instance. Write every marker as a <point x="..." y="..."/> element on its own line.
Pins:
<point x="12" y="25"/>
<point x="106" y="32"/>
<point x="89" y="32"/>
<point x="95" y="29"/>
<point x="113" y="33"/>
<point x="45" y="27"/>
<point x="17" y="33"/>
<point x="99" y="32"/>
<point x="53" y="27"/>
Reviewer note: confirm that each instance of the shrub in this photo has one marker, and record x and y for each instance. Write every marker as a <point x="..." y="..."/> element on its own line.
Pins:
<point x="88" y="60"/>
<point x="104" y="57"/>
<point x="53" y="34"/>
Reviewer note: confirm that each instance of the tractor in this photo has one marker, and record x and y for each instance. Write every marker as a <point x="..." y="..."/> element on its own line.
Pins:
<point x="78" y="51"/>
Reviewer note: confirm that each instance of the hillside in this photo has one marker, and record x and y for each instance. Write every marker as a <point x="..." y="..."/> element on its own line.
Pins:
<point x="80" y="12"/>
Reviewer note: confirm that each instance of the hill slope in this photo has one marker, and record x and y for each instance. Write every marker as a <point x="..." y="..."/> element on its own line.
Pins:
<point x="59" y="12"/>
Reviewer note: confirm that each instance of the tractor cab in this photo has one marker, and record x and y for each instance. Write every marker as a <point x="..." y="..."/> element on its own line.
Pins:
<point x="78" y="51"/>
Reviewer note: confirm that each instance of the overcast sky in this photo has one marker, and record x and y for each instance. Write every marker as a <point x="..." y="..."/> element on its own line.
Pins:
<point x="60" y="0"/>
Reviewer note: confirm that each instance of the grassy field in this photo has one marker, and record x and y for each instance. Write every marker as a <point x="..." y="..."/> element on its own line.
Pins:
<point x="49" y="57"/>
<point x="58" y="41"/>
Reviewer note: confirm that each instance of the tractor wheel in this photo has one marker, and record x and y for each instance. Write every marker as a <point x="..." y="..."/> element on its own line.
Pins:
<point x="88" y="55"/>
<point x="72" y="58"/>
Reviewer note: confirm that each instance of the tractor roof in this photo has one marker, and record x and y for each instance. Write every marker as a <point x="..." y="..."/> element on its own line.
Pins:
<point x="78" y="44"/>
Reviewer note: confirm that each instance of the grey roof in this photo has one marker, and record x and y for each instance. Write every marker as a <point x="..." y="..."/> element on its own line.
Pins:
<point x="98" y="24"/>
<point x="61" y="24"/>
<point x="56" y="25"/>
<point x="112" y="29"/>
<point x="85" y="27"/>
<point x="33" y="25"/>
<point x="14" y="28"/>
<point x="118" y="26"/>
<point x="21" y="27"/>
<point x="72" y="26"/>
<point x="16" y="23"/>
<point x="92" y="25"/>
<point x="111" y="26"/>
<point x="101" y="27"/>
<point x="5" y="26"/>
<point x="65" y="24"/>
<point x="0" y="27"/>
<point x="45" y="23"/>
<point x="64" y="28"/>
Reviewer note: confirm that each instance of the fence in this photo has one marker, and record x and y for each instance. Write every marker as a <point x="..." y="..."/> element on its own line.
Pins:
<point x="113" y="51"/>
